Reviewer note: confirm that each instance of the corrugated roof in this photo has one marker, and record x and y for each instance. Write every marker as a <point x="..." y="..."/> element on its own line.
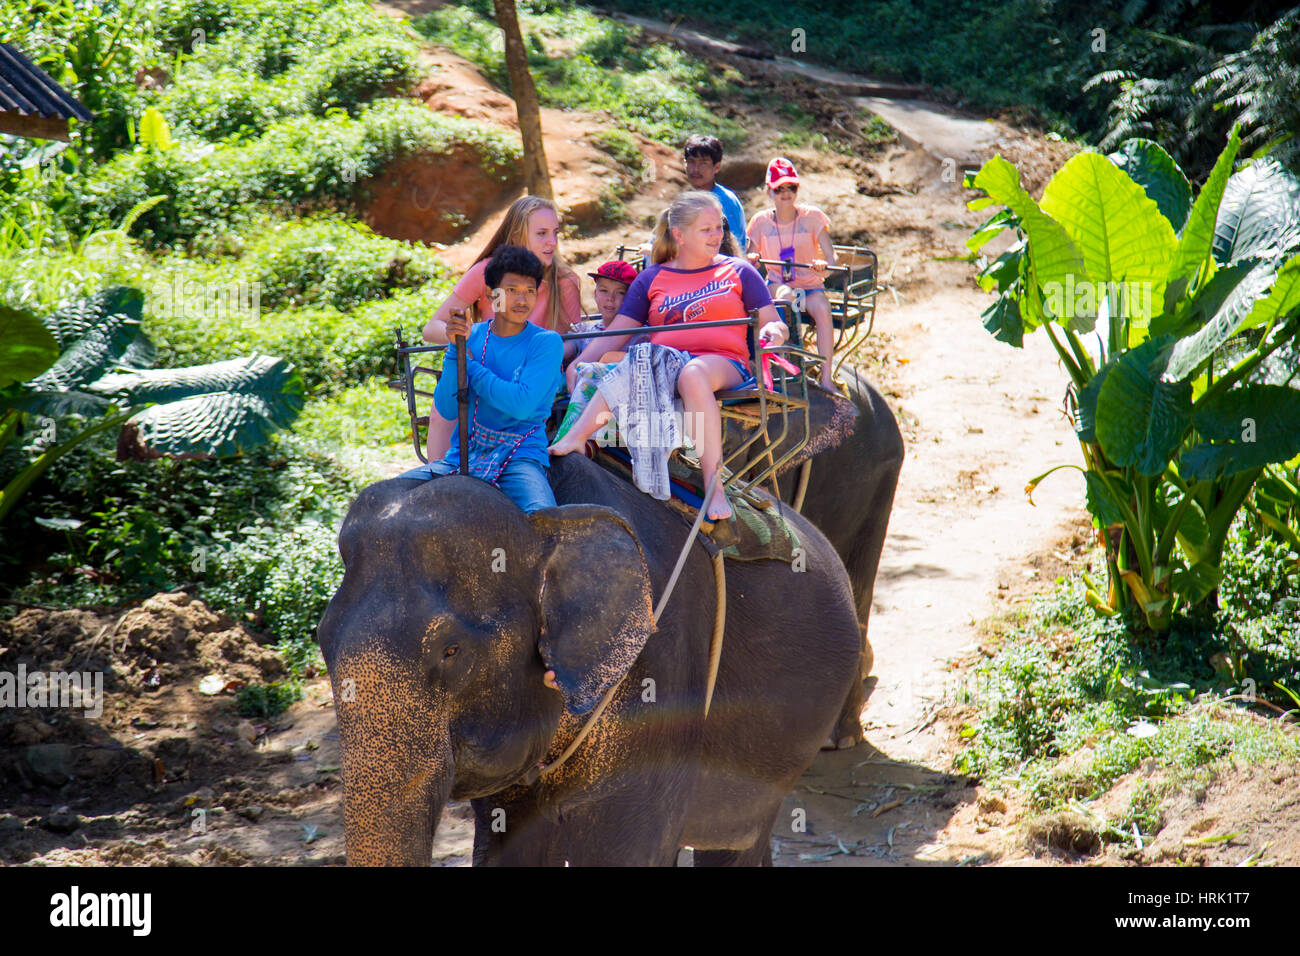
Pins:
<point x="27" y="90"/>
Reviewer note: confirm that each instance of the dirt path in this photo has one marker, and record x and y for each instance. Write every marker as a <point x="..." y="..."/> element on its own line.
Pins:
<point x="920" y="123"/>
<point x="979" y="421"/>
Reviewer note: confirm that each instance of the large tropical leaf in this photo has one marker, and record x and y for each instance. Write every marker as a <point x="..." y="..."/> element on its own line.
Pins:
<point x="1238" y="303"/>
<point x="1194" y="312"/>
<point x="1244" y="428"/>
<point x="1002" y="271"/>
<point x="1141" y="416"/>
<point x="1003" y="320"/>
<point x="1259" y="215"/>
<point x="997" y="224"/>
<point x="208" y="410"/>
<point x="76" y="320"/>
<point x="1282" y="299"/>
<point x="94" y="334"/>
<point x="1198" y="234"/>
<point x="140" y="354"/>
<point x="1280" y="368"/>
<point x="26" y="348"/>
<point x="1052" y="254"/>
<point x="1193" y="530"/>
<point x="1148" y="165"/>
<point x="60" y="404"/>
<point x="1101" y="503"/>
<point x="1118" y="229"/>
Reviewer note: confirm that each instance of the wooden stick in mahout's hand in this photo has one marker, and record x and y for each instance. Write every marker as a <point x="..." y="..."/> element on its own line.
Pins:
<point x="462" y="400"/>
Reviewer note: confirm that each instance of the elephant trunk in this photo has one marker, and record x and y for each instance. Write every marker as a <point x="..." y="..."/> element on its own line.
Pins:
<point x="397" y="769"/>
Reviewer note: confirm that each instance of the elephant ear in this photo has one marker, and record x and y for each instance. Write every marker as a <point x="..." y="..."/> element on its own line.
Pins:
<point x="595" y="600"/>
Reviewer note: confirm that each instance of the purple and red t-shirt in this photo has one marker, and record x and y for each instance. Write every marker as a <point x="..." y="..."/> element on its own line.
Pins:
<point x="728" y="289"/>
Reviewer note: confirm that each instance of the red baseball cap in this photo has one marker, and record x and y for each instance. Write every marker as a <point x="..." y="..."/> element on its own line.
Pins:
<point x="781" y="171"/>
<point x="615" y="269"/>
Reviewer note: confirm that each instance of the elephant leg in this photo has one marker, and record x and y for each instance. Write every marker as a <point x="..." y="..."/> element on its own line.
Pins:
<point x="848" y="726"/>
<point x="511" y="830"/>
<point x="756" y="855"/>
<point x="760" y="854"/>
<point x="613" y="836"/>
<point x="520" y="832"/>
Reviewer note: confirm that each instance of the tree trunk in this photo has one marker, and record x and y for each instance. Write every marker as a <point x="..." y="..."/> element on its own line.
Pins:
<point x="536" y="176"/>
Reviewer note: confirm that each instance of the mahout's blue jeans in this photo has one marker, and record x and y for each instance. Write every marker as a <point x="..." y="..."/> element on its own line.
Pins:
<point x="523" y="481"/>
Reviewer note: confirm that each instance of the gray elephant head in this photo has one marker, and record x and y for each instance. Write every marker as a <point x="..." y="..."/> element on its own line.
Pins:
<point x="453" y="605"/>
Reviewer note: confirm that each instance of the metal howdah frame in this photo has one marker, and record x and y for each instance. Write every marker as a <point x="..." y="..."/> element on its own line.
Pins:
<point x="752" y="406"/>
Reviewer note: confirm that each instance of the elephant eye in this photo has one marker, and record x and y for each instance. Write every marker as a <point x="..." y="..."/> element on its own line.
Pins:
<point x="450" y="651"/>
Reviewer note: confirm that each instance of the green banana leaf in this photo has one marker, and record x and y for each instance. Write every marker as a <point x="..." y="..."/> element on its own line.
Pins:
<point x="1198" y="234"/>
<point x="1086" y="416"/>
<point x="1260" y="214"/>
<point x="48" y="404"/>
<point x="1282" y="299"/>
<point x="1003" y="320"/>
<point x="1142" y="416"/>
<point x="1100" y="501"/>
<point x="26" y="348"/>
<point x="94" y="334"/>
<point x="1148" y="165"/>
<point x="1194" y="311"/>
<point x="1120" y="232"/>
<point x="1244" y="428"/>
<point x="998" y="223"/>
<point x="1053" y="255"/>
<point x="1246" y="306"/>
<point x="212" y="410"/>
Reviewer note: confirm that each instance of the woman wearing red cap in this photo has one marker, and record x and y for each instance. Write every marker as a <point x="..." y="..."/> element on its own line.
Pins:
<point x="796" y="233"/>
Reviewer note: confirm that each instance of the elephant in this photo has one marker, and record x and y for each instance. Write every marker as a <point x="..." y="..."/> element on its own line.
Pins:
<point x="453" y="607"/>
<point x="855" y="463"/>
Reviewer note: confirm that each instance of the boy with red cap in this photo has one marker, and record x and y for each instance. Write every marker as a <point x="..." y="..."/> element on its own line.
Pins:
<point x="612" y="281"/>
<point x="794" y="233"/>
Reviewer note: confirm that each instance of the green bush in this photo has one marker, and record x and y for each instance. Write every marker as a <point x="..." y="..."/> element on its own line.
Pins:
<point x="1064" y="680"/>
<point x="213" y="106"/>
<point x="329" y="347"/>
<point x="366" y="417"/>
<point x="597" y="64"/>
<point x="211" y="187"/>
<point x="357" y="71"/>
<point x="117" y="531"/>
<point x="472" y="34"/>
<point x="265" y="37"/>
<point x="286" y="577"/>
<point x="622" y="147"/>
<point x="330" y="262"/>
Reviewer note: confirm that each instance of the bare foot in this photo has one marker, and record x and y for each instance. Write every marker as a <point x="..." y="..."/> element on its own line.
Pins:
<point x="549" y="680"/>
<point x="566" y="446"/>
<point x="719" y="507"/>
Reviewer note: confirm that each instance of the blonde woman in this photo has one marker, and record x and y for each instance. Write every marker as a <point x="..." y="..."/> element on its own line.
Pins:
<point x="532" y="223"/>
<point x="792" y="232"/>
<point x="690" y="282"/>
